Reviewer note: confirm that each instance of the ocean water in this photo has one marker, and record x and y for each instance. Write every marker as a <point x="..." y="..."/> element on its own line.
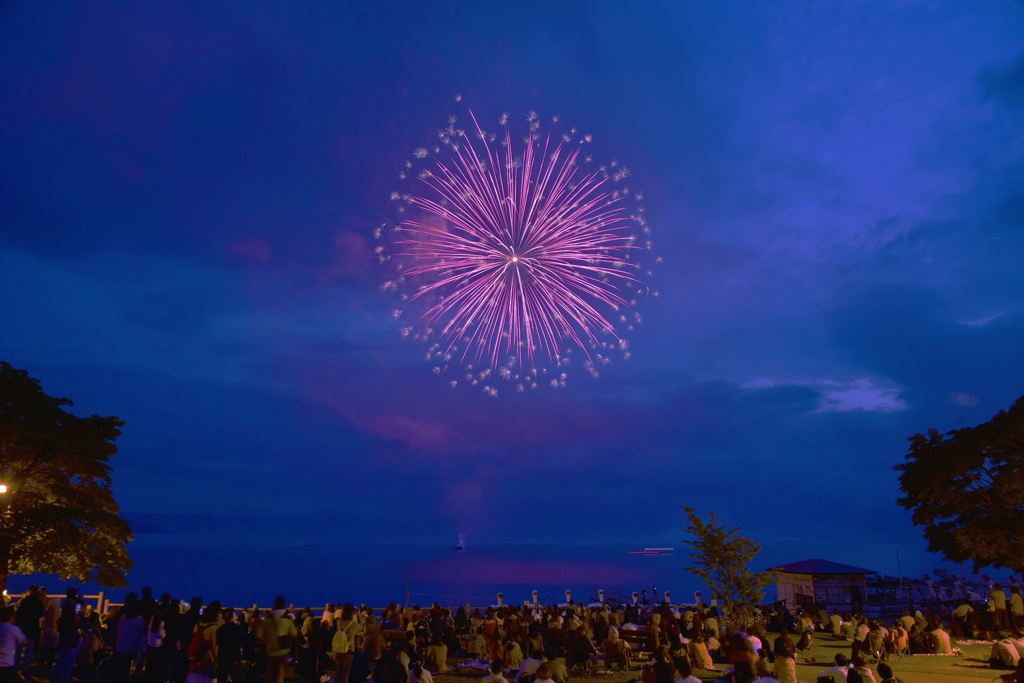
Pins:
<point x="243" y="561"/>
<point x="243" y="571"/>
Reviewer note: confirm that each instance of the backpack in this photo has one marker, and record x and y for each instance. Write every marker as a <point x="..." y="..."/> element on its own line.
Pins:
<point x="198" y="646"/>
<point x="339" y="643"/>
<point x="284" y="640"/>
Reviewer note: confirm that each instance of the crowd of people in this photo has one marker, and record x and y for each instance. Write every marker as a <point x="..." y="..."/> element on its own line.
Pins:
<point x="163" y="640"/>
<point x="927" y="632"/>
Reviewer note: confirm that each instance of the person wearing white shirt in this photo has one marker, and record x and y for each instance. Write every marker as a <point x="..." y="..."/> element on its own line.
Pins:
<point x="497" y="673"/>
<point x="11" y="640"/>
<point x="840" y="671"/>
<point x="861" y="672"/>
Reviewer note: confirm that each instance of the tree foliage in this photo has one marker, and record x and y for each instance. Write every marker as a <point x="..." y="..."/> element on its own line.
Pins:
<point x="722" y="559"/>
<point x="58" y="514"/>
<point x="966" y="488"/>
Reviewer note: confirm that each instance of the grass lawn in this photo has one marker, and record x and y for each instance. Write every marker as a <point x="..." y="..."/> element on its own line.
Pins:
<point x="972" y="665"/>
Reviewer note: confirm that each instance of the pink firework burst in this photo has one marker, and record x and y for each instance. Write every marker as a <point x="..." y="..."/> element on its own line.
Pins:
<point x="518" y="254"/>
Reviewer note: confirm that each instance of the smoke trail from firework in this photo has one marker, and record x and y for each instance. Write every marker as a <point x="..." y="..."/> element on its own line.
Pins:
<point x="528" y="253"/>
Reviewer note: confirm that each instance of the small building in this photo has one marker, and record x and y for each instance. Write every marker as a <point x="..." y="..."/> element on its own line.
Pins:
<point x="821" y="582"/>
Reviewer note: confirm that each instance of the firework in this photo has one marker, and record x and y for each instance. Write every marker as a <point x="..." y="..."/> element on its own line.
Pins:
<point x="520" y="253"/>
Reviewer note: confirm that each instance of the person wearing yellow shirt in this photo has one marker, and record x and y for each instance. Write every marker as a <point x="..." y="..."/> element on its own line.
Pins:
<point x="278" y="634"/>
<point x="999" y="598"/>
<point x="1016" y="608"/>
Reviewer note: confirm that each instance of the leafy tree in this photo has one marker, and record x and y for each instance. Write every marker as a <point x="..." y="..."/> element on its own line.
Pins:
<point x="966" y="488"/>
<point x="722" y="559"/>
<point x="57" y="512"/>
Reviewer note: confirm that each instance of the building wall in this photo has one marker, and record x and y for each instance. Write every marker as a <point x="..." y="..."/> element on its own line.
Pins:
<point x="836" y="591"/>
<point x="840" y="591"/>
<point x="795" y="589"/>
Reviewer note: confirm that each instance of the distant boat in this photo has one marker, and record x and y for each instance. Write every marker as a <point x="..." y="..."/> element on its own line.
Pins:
<point x="653" y="551"/>
<point x="458" y="547"/>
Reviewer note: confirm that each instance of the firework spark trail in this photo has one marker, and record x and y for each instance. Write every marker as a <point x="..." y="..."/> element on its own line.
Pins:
<point x="526" y="250"/>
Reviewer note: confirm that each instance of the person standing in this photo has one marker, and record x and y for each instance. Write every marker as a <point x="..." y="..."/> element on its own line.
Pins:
<point x="278" y="634"/>
<point x="157" y="662"/>
<point x="344" y="651"/>
<point x="230" y="638"/>
<point x="48" y="638"/>
<point x="1016" y="608"/>
<point x="999" y="598"/>
<point x="202" y="646"/>
<point x="29" y="619"/>
<point x="11" y="641"/>
<point x="68" y="638"/>
<point x="129" y="639"/>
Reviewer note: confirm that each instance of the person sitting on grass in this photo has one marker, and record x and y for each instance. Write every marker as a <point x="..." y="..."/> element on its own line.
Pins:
<point x="885" y="673"/>
<point x="1004" y="655"/>
<point x="862" y="630"/>
<point x="699" y="653"/>
<point x="761" y="673"/>
<point x="535" y="644"/>
<point x="783" y="635"/>
<point x="543" y="674"/>
<point x="838" y="672"/>
<point x="477" y="645"/>
<point x="556" y="666"/>
<point x="437" y="655"/>
<point x="785" y="662"/>
<point x="784" y="647"/>
<point x="513" y="653"/>
<point x="714" y="646"/>
<point x="662" y="664"/>
<point x="847" y="630"/>
<point x="861" y="672"/>
<point x="684" y="671"/>
<point x="417" y="674"/>
<point x="389" y="669"/>
<point x="920" y="642"/>
<point x="835" y="622"/>
<point x="647" y="674"/>
<point x="806" y="638"/>
<point x="756" y="643"/>
<point x="528" y="669"/>
<point x="940" y="639"/>
<point x="1017" y="637"/>
<point x="497" y="674"/>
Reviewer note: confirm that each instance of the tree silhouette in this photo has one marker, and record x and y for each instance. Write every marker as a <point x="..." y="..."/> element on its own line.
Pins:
<point x="57" y="512"/>
<point x="966" y="488"/>
<point x="722" y="559"/>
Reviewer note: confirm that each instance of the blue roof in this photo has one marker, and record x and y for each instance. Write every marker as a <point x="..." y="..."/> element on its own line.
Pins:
<point x="820" y="567"/>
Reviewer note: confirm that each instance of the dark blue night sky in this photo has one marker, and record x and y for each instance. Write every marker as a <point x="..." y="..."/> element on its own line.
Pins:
<point x="187" y="202"/>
